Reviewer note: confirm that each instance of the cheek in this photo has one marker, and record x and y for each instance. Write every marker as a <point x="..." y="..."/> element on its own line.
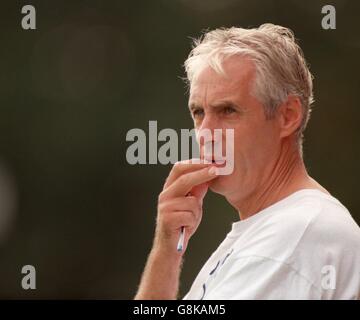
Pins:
<point x="245" y="141"/>
<point x="265" y="149"/>
<point x="254" y="145"/>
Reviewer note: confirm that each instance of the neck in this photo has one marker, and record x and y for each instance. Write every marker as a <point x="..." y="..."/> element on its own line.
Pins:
<point x="285" y="176"/>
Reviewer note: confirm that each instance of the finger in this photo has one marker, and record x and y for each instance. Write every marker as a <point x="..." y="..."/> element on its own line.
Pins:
<point x="186" y="182"/>
<point x="183" y="167"/>
<point x="200" y="191"/>
<point x="178" y="219"/>
<point x="190" y="203"/>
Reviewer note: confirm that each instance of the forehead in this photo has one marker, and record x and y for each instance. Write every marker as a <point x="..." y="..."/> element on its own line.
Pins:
<point x="236" y="82"/>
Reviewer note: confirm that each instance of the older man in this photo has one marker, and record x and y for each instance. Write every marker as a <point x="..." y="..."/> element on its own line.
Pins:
<point x="294" y="240"/>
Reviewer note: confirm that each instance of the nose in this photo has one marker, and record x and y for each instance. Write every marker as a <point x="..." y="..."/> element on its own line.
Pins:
<point x="209" y="122"/>
<point x="208" y="136"/>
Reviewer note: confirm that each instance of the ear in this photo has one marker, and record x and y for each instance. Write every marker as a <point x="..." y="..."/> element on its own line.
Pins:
<point x="290" y="115"/>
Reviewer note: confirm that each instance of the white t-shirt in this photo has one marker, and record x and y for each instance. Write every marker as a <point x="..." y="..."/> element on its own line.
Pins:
<point x="306" y="246"/>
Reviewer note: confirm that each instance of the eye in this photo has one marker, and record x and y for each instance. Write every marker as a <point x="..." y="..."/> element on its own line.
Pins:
<point x="196" y="113"/>
<point x="228" y="110"/>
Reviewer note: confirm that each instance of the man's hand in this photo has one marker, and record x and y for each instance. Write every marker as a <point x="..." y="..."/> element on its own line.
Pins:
<point x="180" y="204"/>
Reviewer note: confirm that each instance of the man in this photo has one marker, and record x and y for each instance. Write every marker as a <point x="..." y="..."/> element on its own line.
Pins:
<point x="294" y="240"/>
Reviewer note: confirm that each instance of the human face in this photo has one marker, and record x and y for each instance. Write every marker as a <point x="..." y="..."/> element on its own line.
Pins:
<point x="225" y="102"/>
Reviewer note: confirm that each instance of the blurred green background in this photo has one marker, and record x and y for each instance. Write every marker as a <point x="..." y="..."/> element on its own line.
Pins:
<point x="70" y="90"/>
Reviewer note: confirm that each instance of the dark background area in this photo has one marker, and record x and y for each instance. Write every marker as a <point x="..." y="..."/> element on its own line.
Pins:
<point x="70" y="90"/>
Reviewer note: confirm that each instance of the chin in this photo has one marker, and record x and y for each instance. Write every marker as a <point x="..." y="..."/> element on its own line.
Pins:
<point x="220" y="185"/>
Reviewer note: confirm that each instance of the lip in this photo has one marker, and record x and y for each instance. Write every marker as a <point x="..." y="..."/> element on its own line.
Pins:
<point x="220" y="164"/>
<point x="216" y="162"/>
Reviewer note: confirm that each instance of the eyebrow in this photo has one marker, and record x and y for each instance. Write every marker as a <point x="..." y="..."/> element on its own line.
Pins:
<point x="220" y="104"/>
<point x="193" y="106"/>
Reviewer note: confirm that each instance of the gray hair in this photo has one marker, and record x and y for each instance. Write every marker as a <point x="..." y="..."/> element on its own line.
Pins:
<point x="281" y="69"/>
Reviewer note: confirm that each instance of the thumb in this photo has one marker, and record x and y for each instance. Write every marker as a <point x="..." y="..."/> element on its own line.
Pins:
<point x="200" y="191"/>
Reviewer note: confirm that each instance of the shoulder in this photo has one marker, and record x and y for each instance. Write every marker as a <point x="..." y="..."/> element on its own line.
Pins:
<point x="311" y="235"/>
<point x="310" y="219"/>
<point x="325" y="220"/>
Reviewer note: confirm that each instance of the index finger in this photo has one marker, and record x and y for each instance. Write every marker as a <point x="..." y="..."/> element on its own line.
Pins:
<point x="183" y="167"/>
<point x="186" y="182"/>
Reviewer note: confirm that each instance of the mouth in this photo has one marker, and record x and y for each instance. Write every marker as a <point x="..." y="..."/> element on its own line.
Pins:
<point x="220" y="163"/>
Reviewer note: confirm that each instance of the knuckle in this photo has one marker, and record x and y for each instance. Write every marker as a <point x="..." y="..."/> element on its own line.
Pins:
<point x="165" y="206"/>
<point x="161" y="197"/>
<point x="166" y="182"/>
<point x="184" y="179"/>
<point x="161" y="207"/>
<point x="176" y="166"/>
